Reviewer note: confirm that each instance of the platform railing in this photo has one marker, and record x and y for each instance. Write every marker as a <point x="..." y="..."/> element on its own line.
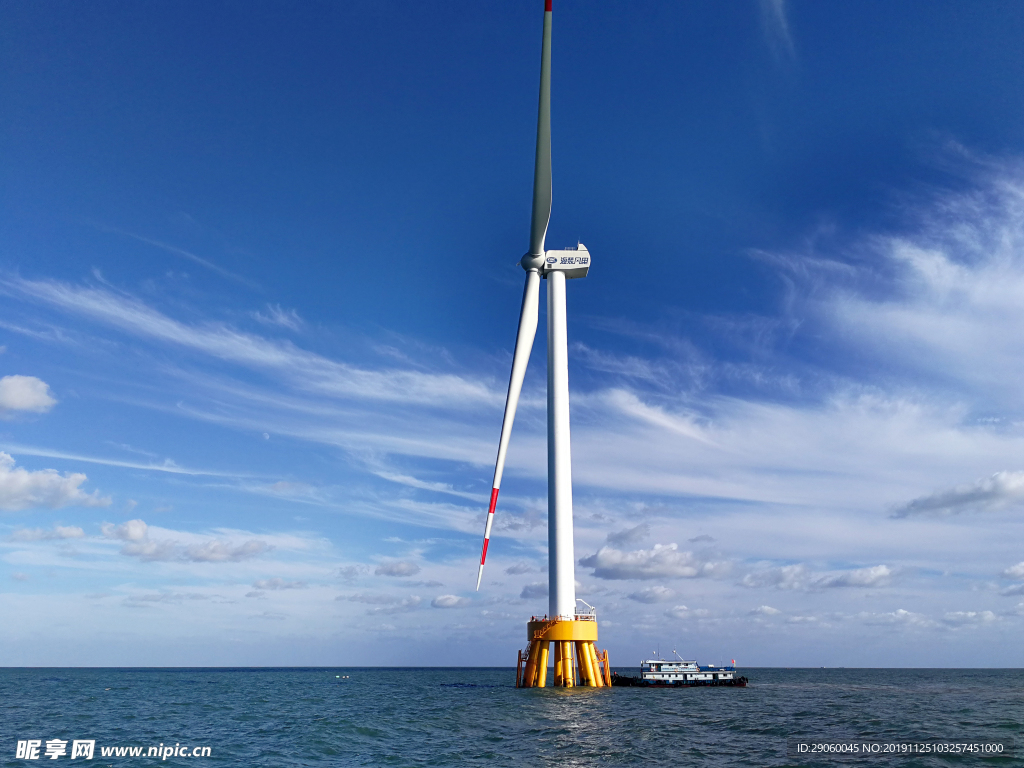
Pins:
<point x="586" y="613"/>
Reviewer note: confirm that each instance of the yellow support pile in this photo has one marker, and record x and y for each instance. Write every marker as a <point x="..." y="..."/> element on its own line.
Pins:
<point x="577" y="662"/>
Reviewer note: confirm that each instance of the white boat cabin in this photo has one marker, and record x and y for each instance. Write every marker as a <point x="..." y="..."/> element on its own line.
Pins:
<point x="682" y="671"/>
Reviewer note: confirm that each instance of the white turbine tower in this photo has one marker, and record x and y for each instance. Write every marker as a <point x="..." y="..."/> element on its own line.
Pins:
<point x="573" y="632"/>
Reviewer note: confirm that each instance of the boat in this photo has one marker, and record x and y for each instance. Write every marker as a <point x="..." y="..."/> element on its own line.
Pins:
<point x="678" y="673"/>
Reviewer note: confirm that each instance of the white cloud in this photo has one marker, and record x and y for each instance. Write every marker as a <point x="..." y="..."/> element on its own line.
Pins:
<point x="143" y="600"/>
<point x="765" y="610"/>
<point x="133" y="530"/>
<point x="783" y="577"/>
<point x="653" y="595"/>
<point x="875" y="576"/>
<point x="371" y="598"/>
<point x="629" y="536"/>
<point x="1014" y="571"/>
<point x="41" y="534"/>
<point x="22" y="489"/>
<point x="899" y="617"/>
<point x="278" y="583"/>
<point x="682" y="612"/>
<point x="269" y="616"/>
<point x="815" y="472"/>
<point x="937" y="309"/>
<point x="802" y="620"/>
<point x="450" y="601"/>
<point x="223" y="551"/>
<point x="511" y="522"/>
<point x="500" y="615"/>
<point x="797" y="576"/>
<point x="969" y="618"/>
<point x="947" y="314"/>
<point x="138" y="543"/>
<point x="25" y="393"/>
<point x="350" y="573"/>
<point x="384" y="603"/>
<point x="517" y="569"/>
<point x="663" y="561"/>
<point x="535" y="590"/>
<point x="399" y="568"/>
<point x="1001" y="490"/>
<point x="18" y="576"/>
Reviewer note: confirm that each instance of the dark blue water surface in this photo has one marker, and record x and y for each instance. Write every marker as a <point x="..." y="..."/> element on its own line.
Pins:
<point x="471" y="717"/>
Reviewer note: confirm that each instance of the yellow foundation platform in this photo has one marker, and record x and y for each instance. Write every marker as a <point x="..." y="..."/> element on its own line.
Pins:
<point x="577" y="662"/>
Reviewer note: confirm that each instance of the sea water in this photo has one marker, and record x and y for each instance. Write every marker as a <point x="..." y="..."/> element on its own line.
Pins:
<point x="476" y="717"/>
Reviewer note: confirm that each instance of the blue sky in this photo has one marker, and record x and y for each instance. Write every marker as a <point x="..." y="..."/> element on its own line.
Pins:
<point x="258" y="267"/>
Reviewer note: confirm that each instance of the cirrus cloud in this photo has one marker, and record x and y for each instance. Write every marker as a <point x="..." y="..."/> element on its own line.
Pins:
<point x="40" y="534"/>
<point x="307" y="370"/>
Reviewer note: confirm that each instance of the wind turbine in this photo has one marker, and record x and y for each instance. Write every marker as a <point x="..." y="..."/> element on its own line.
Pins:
<point x="573" y="631"/>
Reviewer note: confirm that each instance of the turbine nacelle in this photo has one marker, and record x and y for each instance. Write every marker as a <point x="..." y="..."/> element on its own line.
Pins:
<point x="572" y="262"/>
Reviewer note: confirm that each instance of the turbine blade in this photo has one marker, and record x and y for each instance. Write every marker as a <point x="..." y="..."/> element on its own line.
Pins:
<point x="542" y="164"/>
<point x="520" y="359"/>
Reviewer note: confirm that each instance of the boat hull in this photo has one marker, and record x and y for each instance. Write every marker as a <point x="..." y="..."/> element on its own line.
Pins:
<point x="637" y="682"/>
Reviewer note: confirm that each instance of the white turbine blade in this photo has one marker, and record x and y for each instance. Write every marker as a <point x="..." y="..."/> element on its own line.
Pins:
<point x="520" y="359"/>
<point x="542" y="165"/>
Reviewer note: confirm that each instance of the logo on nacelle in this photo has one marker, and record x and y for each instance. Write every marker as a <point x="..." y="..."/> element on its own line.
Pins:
<point x="552" y="260"/>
